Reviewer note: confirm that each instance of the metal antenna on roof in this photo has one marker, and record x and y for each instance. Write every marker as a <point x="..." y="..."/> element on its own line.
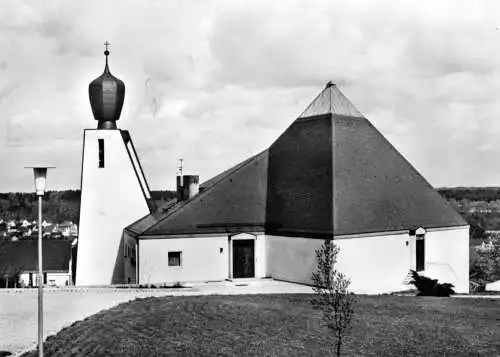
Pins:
<point x="180" y="168"/>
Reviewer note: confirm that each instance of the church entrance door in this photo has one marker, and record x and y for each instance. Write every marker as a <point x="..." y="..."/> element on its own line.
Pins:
<point x="243" y="258"/>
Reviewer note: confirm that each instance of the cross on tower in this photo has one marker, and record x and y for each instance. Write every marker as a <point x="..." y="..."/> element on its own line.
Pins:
<point x="107" y="44"/>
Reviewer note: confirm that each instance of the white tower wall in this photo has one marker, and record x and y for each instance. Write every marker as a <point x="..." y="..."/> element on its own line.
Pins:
<point x="112" y="197"/>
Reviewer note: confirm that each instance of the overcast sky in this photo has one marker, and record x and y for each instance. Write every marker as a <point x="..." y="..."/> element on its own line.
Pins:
<point x="214" y="82"/>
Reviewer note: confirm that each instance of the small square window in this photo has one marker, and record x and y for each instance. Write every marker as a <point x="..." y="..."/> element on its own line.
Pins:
<point x="174" y="259"/>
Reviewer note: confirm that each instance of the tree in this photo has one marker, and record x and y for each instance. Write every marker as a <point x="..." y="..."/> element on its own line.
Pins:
<point x="485" y="264"/>
<point x="331" y="295"/>
<point x="493" y="260"/>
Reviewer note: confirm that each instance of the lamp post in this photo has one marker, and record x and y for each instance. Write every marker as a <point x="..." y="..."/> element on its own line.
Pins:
<point x="40" y="173"/>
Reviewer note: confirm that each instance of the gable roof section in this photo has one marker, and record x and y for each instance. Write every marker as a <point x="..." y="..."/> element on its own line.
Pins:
<point x="23" y="255"/>
<point x="330" y="173"/>
<point x="142" y="224"/>
<point x="234" y="201"/>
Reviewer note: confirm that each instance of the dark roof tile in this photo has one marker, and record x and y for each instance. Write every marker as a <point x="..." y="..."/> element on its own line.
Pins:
<point x="23" y="255"/>
<point x="331" y="172"/>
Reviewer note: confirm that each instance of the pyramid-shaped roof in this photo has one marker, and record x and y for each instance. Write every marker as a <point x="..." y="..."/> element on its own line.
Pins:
<point x="330" y="173"/>
<point x="331" y="101"/>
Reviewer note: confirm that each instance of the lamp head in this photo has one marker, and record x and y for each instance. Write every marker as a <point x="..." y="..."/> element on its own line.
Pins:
<point x="40" y="174"/>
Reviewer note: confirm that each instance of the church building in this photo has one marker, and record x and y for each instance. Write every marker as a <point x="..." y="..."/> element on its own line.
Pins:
<point x="330" y="175"/>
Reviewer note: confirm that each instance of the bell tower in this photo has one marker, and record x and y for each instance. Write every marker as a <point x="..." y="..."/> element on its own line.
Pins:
<point x="114" y="190"/>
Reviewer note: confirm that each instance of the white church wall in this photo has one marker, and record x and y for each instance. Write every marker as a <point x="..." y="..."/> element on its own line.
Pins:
<point x="129" y="251"/>
<point x="447" y="257"/>
<point x="202" y="259"/>
<point x="111" y="199"/>
<point x="291" y="258"/>
<point x="260" y="256"/>
<point x="376" y="263"/>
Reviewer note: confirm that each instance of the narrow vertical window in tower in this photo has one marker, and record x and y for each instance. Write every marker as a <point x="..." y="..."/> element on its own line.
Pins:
<point x="101" y="152"/>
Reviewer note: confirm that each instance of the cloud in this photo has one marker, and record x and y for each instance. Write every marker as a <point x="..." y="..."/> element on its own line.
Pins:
<point x="7" y="90"/>
<point x="217" y="81"/>
<point x="260" y="46"/>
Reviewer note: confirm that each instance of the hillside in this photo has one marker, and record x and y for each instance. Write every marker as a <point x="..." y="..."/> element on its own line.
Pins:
<point x="58" y="206"/>
<point x="480" y="206"/>
<point x="486" y="194"/>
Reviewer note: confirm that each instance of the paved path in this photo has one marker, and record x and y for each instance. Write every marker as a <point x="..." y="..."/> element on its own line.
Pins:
<point x="62" y="307"/>
<point x="476" y="296"/>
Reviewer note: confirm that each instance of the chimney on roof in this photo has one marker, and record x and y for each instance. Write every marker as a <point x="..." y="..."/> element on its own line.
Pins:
<point x="187" y="187"/>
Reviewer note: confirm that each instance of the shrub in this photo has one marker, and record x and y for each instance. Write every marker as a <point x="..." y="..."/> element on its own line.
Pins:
<point x="430" y="287"/>
<point x="177" y="285"/>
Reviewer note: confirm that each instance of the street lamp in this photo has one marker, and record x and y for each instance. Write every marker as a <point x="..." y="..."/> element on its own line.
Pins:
<point x="40" y="173"/>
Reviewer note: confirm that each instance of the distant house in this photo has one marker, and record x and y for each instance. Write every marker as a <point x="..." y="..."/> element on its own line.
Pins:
<point x="46" y="231"/>
<point x="56" y="235"/>
<point x="13" y="235"/>
<point x="67" y="228"/>
<point x="19" y="263"/>
<point x="25" y="231"/>
<point x="486" y="245"/>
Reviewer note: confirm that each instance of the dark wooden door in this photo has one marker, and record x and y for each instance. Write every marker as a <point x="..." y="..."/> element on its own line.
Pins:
<point x="243" y="258"/>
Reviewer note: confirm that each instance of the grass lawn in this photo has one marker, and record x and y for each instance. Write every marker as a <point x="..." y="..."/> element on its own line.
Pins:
<point x="282" y="325"/>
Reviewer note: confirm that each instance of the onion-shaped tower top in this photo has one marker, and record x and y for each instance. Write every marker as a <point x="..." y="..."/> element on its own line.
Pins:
<point x="106" y="94"/>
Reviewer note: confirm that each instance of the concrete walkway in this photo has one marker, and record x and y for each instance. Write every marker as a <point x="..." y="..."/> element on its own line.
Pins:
<point x="476" y="296"/>
<point x="63" y="306"/>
